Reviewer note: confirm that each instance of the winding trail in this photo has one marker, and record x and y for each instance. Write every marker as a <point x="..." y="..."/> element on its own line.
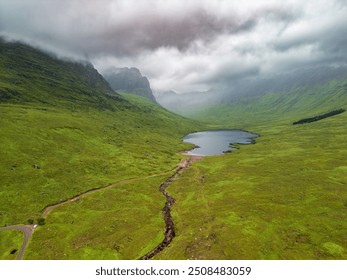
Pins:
<point x="50" y="208"/>
<point x="27" y="231"/>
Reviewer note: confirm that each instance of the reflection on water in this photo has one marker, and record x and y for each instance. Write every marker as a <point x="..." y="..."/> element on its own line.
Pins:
<point x="215" y="142"/>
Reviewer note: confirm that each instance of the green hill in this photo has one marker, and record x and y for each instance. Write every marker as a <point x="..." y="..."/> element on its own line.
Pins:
<point x="282" y="107"/>
<point x="64" y="132"/>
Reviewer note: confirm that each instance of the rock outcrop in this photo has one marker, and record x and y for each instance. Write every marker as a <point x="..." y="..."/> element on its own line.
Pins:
<point x="129" y="80"/>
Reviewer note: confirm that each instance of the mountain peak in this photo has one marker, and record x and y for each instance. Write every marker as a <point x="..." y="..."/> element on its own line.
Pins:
<point x="129" y="80"/>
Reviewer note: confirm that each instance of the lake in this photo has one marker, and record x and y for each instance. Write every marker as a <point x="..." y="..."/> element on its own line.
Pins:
<point x="215" y="142"/>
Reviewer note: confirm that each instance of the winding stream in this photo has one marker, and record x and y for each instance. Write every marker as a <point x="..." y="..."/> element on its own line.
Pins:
<point x="169" y="223"/>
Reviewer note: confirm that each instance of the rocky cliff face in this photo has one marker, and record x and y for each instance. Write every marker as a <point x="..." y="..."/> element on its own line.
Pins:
<point x="129" y="80"/>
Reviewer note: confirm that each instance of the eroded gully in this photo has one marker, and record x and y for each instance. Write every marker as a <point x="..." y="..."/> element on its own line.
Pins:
<point x="169" y="233"/>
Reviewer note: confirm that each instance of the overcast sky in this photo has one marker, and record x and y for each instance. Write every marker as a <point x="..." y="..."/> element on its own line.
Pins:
<point x="185" y="45"/>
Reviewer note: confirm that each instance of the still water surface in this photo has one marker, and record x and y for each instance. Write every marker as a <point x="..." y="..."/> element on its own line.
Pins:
<point x="215" y="142"/>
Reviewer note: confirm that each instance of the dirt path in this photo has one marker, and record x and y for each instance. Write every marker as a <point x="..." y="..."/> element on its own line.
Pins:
<point x="27" y="231"/>
<point x="169" y="233"/>
<point x="50" y="208"/>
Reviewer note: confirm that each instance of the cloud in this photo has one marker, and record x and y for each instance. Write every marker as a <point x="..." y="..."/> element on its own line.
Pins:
<point x="124" y="28"/>
<point x="185" y="45"/>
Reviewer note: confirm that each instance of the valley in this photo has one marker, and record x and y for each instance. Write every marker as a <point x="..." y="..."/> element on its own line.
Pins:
<point x="94" y="170"/>
<point x="282" y="198"/>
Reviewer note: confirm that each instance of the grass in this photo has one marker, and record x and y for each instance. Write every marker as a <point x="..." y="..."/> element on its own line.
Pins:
<point x="31" y="76"/>
<point x="78" y="151"/>
<point x="123" y="222"/>
<point x="10" y="244"/>
<point x="64" y="132"/>
<point x="81" y="150"/>
<point x="277" y="108"/>
<point x="282" y="198"/>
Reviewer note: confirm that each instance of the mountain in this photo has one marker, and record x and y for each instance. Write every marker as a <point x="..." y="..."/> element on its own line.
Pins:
<point x="288" y="106"/>
<point x="309" y="76"/>
<point x="129" y="80"/>
<point x="29" y="75"/>
<point x="248" y="89"/>
<point x="64" y="132"/>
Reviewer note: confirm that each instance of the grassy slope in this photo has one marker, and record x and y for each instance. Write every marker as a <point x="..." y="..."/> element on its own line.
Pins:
<point x="30" y="76"/>
<point x="123" y="222"/>
<point x="80" y="151"/>
<point x="81" y="138"/>
<point x="283" y="108"/>
<point x="10" y="240"/>
<point x="76" y="152"/>
<point x="283" y="198"/>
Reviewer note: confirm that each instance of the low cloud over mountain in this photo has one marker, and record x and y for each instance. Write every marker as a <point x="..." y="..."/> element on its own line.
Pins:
<point x="186" y="45"/>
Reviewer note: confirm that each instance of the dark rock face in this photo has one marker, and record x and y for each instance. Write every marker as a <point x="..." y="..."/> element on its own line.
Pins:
<point x="129" y="80"/>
